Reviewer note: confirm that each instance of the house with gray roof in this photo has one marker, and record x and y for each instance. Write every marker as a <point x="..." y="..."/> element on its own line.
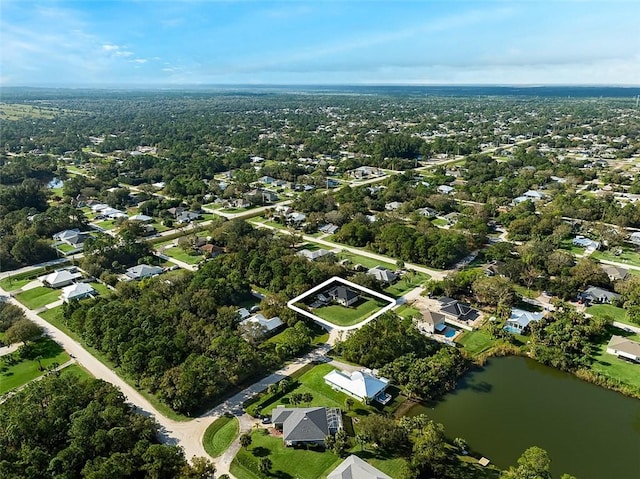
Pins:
<point x="457" y="310"/>
<point x="74" y="237"/>
<point x="384" y="275"/>
<point x="432" y="322"/>
<point x="595" y="294"/>
<point x="624" y="348"/>
<point x="355" y="468"/>
<point x="142" y="271"/>
<point x="343" y="295"/>
<point x="306" y="425"/>
<point x="615" y="273"/>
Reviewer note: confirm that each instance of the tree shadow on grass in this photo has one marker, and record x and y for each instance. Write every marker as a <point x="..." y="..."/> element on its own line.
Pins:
<point x="281" y="475"/>
<point x="260" y="451"/>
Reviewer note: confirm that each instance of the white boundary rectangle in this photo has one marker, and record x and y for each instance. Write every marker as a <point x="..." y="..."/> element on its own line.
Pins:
<point x="291" y="304"/>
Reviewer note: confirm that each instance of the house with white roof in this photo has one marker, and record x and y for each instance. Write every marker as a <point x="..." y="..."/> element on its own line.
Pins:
<point x="384" y="275"/>
<point x="313" y="255"/>
<point x="635" y="238"/>
<point x="77" y="291"/>
<point x="362" y="385"/>
<point x="586" y="243"/>
<point x="141" y="218"/>
<point x="269" y="324"/>
<point x="520" y="320"/>
<point x="445" y="189"/>
<point x="60" y="278"/>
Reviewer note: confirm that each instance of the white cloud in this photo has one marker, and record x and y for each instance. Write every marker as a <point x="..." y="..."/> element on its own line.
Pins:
<point x="108" y="47"/>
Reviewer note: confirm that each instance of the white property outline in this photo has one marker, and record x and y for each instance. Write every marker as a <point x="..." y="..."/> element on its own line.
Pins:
<point x="329" y="324"/>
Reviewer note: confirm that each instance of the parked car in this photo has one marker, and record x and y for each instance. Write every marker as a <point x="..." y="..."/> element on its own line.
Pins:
<point x="266" y="420"/>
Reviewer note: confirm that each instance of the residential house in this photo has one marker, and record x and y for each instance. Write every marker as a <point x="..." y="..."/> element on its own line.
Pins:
<point x="635" y="238"/>
<point x="428" y="212"/>
<point x="308" y="425"/>
<point x="457" y="310"/>
<point x="329" y="229"/>
<point x="74" y="237"/>
<point x="355" y="468"/>
<point x="269" y="324"/>
<point x="445" y="189"/>
<point x="520" y="320"/>
<point x="343" y="295"/>
<point x="533" y="195"/>
<point x="432" y="322"/>
<point x="393" y="206"/>
<point x="142" y="271"/>
<point x="60" y="278"/>
<point x="176" y="210"/>
<point x="267" y="180"/>
<point x="364" y="172"/>
<point x="296" y="219"/>
<point x="586" y="243"/>
<point x="141" y="218"/>
<point x="595" y="294"/>
<point x="313" y="255"/>
<point x="384" y="275"/>
<point x="210" y="250"/>
<point x="363" y="385"/>
<point x="452" y="218"/>
<point x="77" y="291"/>
<point x="624" y="348"/>
<point x="187" y="217"/>
<point x="615" y="273"/>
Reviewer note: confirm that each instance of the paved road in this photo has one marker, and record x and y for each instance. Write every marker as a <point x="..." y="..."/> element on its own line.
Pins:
<point x="435" y="274"/>
<point x="187" y="434"/>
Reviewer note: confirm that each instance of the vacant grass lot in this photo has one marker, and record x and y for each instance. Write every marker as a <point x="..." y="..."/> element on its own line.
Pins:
<point x="77" y="371"/>
<point x="107" y="224"/>
<point x="38" y="297"/>
<point x="617" y="314"/>
<point x="181" y="255"/>
<point x="27" y="369"/>
<point x="627" y="256"/>
<point x="287" y="462"/>
<point x="476" y="342"/>
<point x="220" y="434"/>
<point x="17" y="281"/>
<point x="364" y="260"/>
<point x="101" y="289"/>
<point x="343" y="316"/>
<point x="408" y="282"/>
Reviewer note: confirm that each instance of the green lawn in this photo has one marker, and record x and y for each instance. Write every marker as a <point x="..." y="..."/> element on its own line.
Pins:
<point x="17" y="281"/>
<point x="390" y="466"/>
<point x="38" y="297"/>
<point x="181" y="255"/>
<point x="439" y="222"/>
<point x="288" y="462"/>
<point x="343" y="316"/>
<point x="617" y="314"/>
<point x="107" y="224"/>
<point x="66" y="248"/>
<point x="25" y="370"/>
<point x="405" y="311"/>
<point x="77" y="371"/>
<point x="627" y="256"/>
<point x="101" y="288"/>
<point x="364" y="260"/>
<point x="476" y="342"/>
<point x="220" y="434"/>
<point x="614" y="368"/>
<point x="409" y="281"/>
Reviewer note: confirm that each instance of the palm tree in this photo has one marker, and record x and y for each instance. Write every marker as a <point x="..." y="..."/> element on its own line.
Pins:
<point x="265" y="465"/>
<point x="245" y="440"/>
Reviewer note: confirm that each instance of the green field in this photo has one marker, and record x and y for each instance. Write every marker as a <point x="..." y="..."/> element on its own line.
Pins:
<point x="408" y="282"/>
<point x="287" y="461"/>
<point x="24" y="370"/>
<point x="18" y="111"/>
<point x="101" y="288"/>
<point x="617" y="314"/>
<point x="77" y="371"/>
<point x="627" y="256"/>
<point x="343" y="316"/>
<point x="38" y="297"/>
<point x="65" y="248"/>
<point x="107" y="224"/>
<point x="614" y="368"/>
<point x="405" y="311"/>
<point x="220" y="434"/>
<point x="181" y="255"/>
<point x="17" y="281"/>
<point x="364" y="260"/>
<point x="476" y="342"/>
<point x="440" y="222"/>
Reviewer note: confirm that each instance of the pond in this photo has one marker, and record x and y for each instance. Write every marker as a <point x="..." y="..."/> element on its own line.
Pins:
<point x="514" y="403"/>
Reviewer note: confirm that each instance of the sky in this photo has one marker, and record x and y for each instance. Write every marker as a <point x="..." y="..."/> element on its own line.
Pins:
<point x="296" y="42"/>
